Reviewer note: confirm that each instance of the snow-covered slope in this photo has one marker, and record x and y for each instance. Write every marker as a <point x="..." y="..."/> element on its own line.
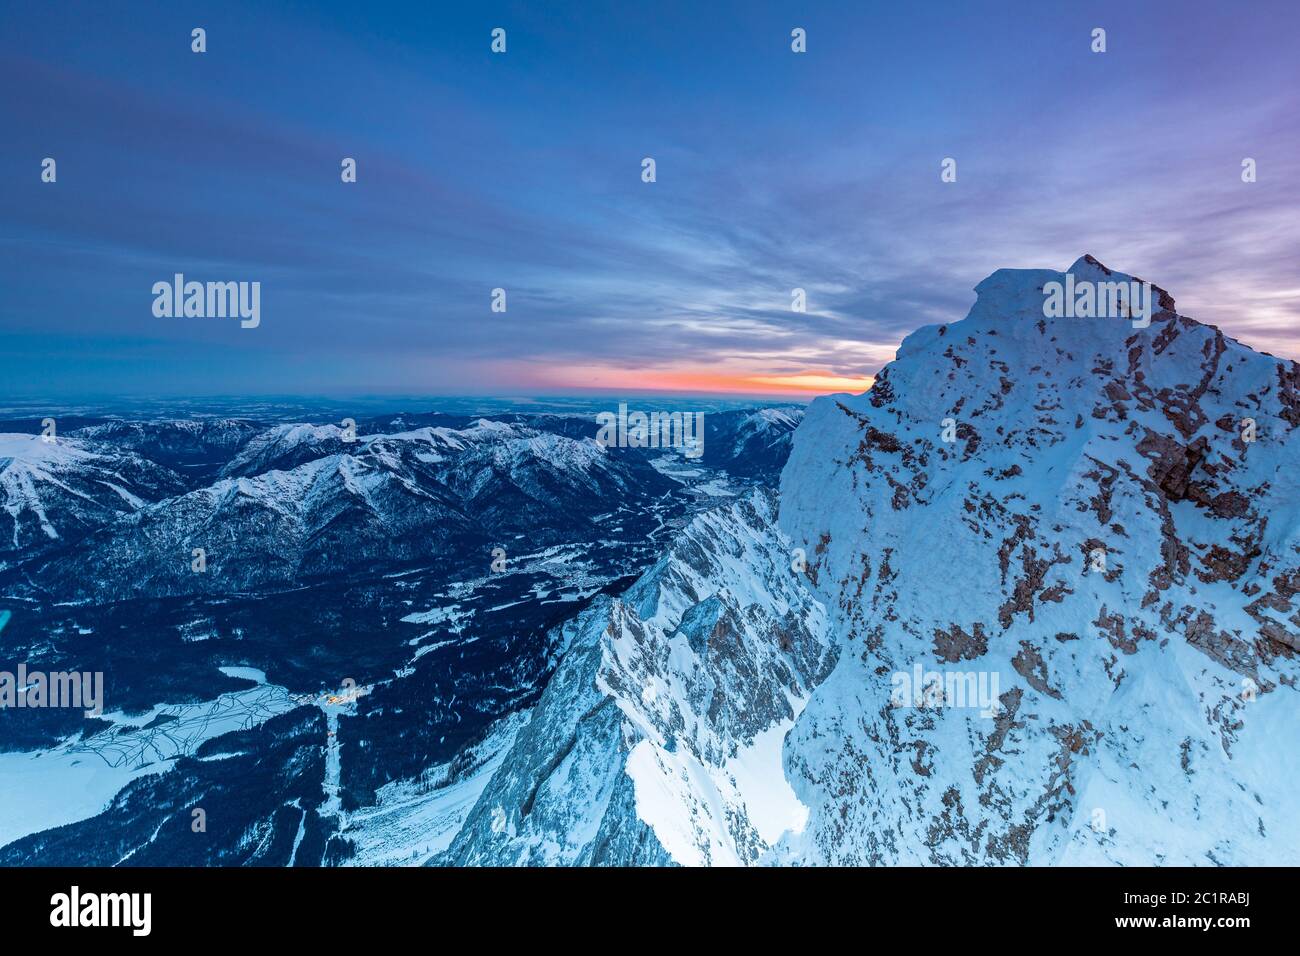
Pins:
<point x="389" y="498"/>
<point x="284" y="447"/>
<point x="1086" y="531"/>
<point x="658" y="740"/>
<point x="53" y="492"/>
<point x="472" y="459"/>
<point x="1100" y="541"/>
<point x="1065" y="522"/>
<point x="194" y="447"/>
<point x="751" y="443"/>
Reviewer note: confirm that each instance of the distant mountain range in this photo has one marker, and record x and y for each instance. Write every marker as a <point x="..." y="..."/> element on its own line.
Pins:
<point x="1031" y="600"/>
<point x="217" y="564"/>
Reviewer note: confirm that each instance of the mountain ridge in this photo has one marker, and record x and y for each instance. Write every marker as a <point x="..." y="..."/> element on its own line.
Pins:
<point x="1017" y="504"/>
<point x="1104" y="528"/>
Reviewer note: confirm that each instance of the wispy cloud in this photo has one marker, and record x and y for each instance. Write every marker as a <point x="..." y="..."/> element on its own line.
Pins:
<point x="775" y="171"/>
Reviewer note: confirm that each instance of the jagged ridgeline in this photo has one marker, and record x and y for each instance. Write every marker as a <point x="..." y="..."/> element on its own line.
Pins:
<point x="1030" y="601"/>
<point x="306" y="630"/>
<point x="1112" y="533"/>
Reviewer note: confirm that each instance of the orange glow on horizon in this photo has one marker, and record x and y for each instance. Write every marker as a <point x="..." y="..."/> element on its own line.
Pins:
<point x="818" y="382"/>
<point x="809" y="383"/>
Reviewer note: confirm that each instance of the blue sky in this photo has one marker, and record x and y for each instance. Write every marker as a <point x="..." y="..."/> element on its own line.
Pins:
<point x="522" y="171"/>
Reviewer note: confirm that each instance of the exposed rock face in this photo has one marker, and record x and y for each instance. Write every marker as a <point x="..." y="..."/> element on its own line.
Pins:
<point x="1101" y="540"/>
<point x="658" y="740"/>
<point x="1049" y="615"/>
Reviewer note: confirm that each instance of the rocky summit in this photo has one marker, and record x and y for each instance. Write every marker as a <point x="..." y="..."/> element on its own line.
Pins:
<point x="1030" y="600"/>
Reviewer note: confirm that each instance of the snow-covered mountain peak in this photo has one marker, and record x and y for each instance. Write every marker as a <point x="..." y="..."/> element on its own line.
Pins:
<point x="54" y="491"/>
<point x="1099" y="522"/>
<point x="1054" y="562"/>
<point x="1095" y="306"/>
<point x="20" y="450"/>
